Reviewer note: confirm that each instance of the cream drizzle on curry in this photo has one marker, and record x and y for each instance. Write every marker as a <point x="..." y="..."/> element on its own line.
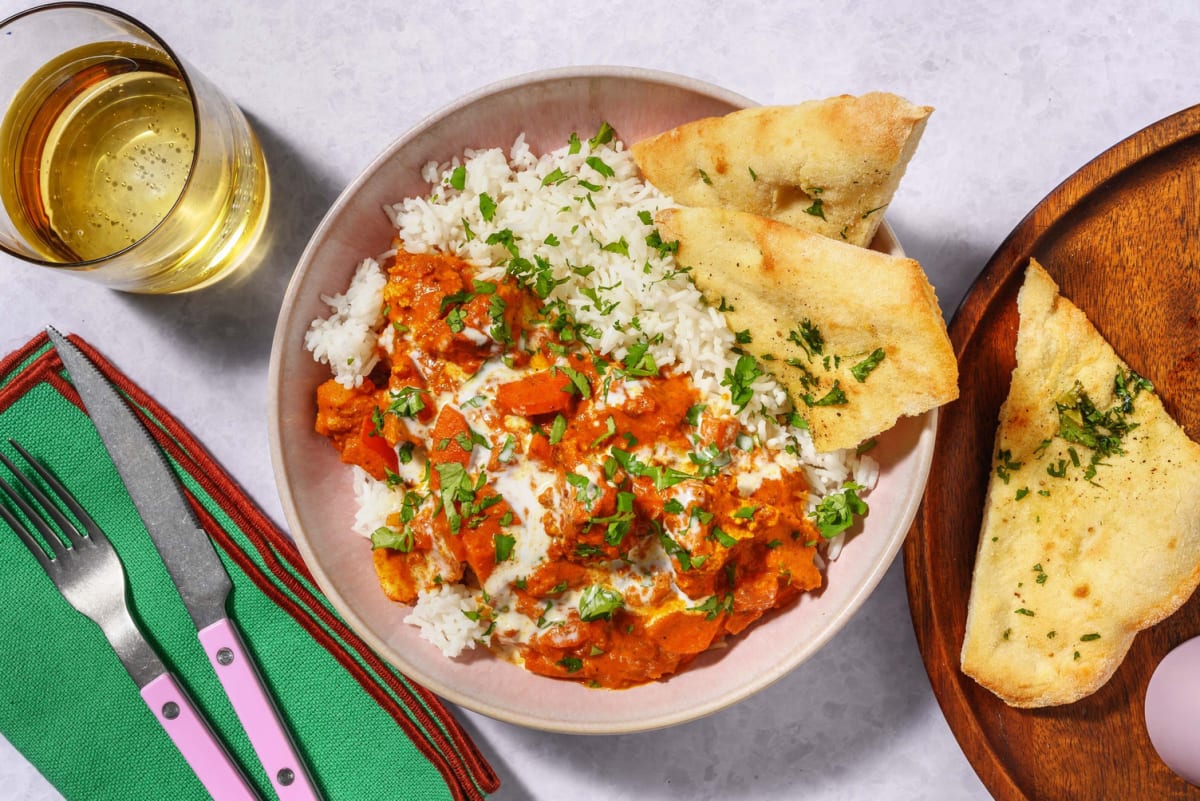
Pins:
<point x="613" y="525"/>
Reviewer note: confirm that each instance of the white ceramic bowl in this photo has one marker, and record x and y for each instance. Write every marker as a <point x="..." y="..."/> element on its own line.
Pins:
<point x="316" y="488"/>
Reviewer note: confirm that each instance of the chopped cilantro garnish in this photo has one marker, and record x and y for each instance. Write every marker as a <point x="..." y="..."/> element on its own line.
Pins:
<point x="740" y="380"/>
<point x="663" y="477"/>
<point x="1006" y="465"/>
<point x="504" y="546"/>
<point x="1127" y="385"/>
<point x="598" y="602"/>
<point x="505" y="239"/>
<point x="638" y="361"/>
<point x="602" y="307"/>
<point x="406" y="402"/>
<point x="835" y="397"/>
<point x="808" y="336"/>
<point x="603" y="136"/>
<point x="714" y="605"/>
<point x="585" y="491"/>
<point x="487" y="206"/>
<point x="555" y="176"/>
<point x="455" y="320"/>
<point x="599" y="166"/>
<point x="710" y="459"/>
<point x="390" y="538"/>
<point x="1080" y="422"/>
<point x="655" y="241"/>
<point x="457" y="487"/>
<point x="557" y="429"/>
<point x="837" y="511"/>
<point x="618" y="524"/>
<point x="861" y="370"/>
<point x="720" y="536"/>
<point x="580" y="385"/>
<point x="499" y="330"/>
<point x="673" y="548"/>
<point x="610" y="428"/>
<point x="508" y="449"/>
<point x="620" y="247"/>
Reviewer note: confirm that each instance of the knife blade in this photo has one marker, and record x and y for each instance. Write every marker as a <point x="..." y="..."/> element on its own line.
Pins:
<point x="194" y="567"/>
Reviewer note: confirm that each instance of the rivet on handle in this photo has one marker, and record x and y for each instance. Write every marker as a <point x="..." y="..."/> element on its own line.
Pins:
<point x="170" y="710"/>
<point x="225" y="656"/>
<point x="285" y="776"/>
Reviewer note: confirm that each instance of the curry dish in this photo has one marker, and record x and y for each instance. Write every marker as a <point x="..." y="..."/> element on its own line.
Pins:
<point x="628" y="463"/>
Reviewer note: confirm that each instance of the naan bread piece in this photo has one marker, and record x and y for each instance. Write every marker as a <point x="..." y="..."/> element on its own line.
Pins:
<point x="827" y="166"/>
<point x="856" y="336"/>
<point x="1081" y="547"/>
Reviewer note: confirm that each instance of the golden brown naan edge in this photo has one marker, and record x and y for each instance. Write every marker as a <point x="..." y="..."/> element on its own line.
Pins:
<point x="1091" y="564"/>
<point x="829" y="166"/>
<point x="774" y="277"/>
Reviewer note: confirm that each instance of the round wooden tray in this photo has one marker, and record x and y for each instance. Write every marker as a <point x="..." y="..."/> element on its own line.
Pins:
<point x="1122" y="239"/>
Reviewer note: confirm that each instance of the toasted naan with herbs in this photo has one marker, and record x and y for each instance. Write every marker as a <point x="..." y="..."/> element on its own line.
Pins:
<point x="828" y="166"/>
<point x="854" y="335"/>
<point x="1091" y="529"/>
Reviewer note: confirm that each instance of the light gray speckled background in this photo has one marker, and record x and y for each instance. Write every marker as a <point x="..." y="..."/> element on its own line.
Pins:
<point x="1026" y="92"/>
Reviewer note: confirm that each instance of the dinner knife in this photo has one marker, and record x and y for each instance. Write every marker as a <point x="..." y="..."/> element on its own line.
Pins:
<point x="194" y="567"/>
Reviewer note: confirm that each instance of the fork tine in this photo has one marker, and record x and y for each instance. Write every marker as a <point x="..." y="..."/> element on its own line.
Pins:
<point x="25" y="536"/>
<point x="57" y="547"/>
<point x="68" y="529"/>
<point x="63" y="494"/>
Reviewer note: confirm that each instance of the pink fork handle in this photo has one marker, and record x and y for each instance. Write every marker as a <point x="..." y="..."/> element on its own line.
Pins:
<point x="199" y="746"/>
<point x="244" y="686"/>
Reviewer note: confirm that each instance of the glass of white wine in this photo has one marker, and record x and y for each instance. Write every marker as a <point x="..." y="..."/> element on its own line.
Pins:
<point x="117" y="161"/>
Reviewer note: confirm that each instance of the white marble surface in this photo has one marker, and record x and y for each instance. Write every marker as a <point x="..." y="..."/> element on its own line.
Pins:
<point x="1026" y="92"/>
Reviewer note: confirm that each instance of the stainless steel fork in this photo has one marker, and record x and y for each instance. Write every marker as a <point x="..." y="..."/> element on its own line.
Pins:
<point x="88" y="572"/>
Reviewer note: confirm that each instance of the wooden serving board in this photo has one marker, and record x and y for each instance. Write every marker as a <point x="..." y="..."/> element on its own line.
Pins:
<point x="1122" y="239"/>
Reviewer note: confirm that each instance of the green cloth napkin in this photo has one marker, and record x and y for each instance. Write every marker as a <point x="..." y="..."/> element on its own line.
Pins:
<point x="68" y="705"/>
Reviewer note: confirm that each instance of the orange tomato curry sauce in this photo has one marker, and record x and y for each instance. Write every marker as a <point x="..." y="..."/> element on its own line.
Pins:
<point x="649" y="543"/>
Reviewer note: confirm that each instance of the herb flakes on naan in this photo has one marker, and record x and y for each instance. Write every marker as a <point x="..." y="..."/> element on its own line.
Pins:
<point x="854" y="335"/>
<point x="828" y="166"/>
<point x="1091" y="528"/>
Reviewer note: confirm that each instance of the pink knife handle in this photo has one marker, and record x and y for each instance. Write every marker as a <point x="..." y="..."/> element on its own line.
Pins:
<point x="231" y="660"/>
<point x="195" y="740"/>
